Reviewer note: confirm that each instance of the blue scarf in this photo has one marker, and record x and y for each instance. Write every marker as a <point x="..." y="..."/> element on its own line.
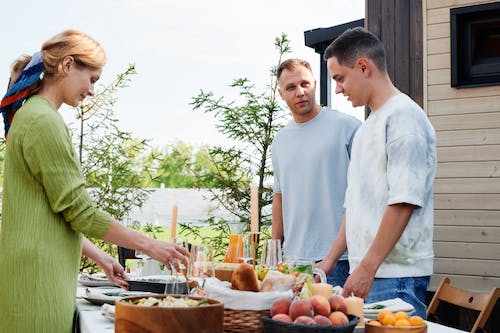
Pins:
<point x="19" y="91"/>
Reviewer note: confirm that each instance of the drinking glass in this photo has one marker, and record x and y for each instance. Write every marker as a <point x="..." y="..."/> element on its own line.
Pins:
<point x="305" y="266"/>
<point x="271" y="255"/>
<point x="246" y="248"/>
<point x="201" y="261"/>
<point x="141" y="266"/>
<point x="180" y="275"/>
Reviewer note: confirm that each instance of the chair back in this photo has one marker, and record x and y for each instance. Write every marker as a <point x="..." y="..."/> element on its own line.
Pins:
<point x="124" y="254"/>
<point x="481" y="302"/>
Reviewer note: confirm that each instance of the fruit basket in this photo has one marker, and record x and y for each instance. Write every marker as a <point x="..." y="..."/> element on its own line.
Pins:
<point x="274" y="326"/>
<point x="243" y="321"/>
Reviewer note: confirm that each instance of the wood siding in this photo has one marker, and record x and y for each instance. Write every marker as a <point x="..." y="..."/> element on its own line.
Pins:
<point x="398" y="24"/>
<point x="467" y="186"/>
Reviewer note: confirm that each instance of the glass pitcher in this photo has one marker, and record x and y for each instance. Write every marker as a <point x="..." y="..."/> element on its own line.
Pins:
<point x="235" y="249"/>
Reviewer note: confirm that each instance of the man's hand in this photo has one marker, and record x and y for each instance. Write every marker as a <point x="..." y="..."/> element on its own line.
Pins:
<point x="359" y="282"/>
<point x="326" y="265"/>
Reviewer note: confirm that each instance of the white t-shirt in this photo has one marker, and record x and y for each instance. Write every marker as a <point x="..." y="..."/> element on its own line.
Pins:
<point x="310" y="162"/>
<point x="393" y="161"/>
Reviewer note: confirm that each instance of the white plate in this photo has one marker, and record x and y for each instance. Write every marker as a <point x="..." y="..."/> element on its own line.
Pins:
<point x="394" y="305"/>
<point x="109" y="296"/>
<point x="95" y="280"/>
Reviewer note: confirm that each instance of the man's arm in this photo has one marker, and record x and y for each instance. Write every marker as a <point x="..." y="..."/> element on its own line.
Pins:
<point x="391" y="228"/>
<point x="337" y="249"/>
<point x="277" y="218"/>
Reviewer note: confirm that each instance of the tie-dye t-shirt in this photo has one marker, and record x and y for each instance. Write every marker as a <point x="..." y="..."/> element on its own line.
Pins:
<point x="393" y="160"/>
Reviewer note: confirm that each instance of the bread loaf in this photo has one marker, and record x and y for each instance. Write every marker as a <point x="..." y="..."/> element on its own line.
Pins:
<point x="277" y="281"/>
<point x="244" y="278"/>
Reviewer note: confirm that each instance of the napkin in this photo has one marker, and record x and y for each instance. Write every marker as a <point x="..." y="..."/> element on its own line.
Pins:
<point x="394" y="305"/>
<point x="242" y="300"/>
<point x="108" y="311"/>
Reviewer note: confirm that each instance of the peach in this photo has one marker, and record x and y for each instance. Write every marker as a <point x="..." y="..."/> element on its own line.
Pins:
<point x="282" y="317"/>
<point x="338" y="318"/>
<point x="301" y="307"/>
<point x="320" y="305"/>
<point x="322" y="320"/>
<point x="337" y="303"/>
<point x="280" y="305"/>
<point x="305" y="320"/>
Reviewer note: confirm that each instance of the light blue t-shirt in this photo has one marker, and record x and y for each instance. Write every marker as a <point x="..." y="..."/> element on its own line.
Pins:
<point x="393" y="161"/>
<point x="310" y="162"/>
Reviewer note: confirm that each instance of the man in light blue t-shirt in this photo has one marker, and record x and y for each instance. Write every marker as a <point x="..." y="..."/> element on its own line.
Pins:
<point x="310" y="160"/>
<point x="388" y="223"/>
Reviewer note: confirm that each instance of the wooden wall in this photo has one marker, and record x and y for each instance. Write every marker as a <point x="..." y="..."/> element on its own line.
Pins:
<point x="467" y="186"/>
<point x="398" y="24"/>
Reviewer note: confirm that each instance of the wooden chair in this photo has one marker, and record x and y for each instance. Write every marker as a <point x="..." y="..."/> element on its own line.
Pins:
<point x="481" y="302"/>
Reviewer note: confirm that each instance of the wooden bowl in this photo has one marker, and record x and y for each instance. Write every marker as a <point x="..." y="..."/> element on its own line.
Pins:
<point x="130" y="318"/>
<point x="369" y="328"/>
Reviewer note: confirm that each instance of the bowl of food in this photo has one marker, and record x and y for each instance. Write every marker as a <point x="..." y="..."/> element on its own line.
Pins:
<point x="399" y="322"/>
<point x="168" y="314"/>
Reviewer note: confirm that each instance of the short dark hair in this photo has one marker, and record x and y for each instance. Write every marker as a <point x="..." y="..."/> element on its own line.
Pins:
<point x="291" y="64"/>
<point x="355" y="43"/>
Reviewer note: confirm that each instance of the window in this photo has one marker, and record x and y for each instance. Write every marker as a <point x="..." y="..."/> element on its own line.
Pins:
<point x="475" y="45"/>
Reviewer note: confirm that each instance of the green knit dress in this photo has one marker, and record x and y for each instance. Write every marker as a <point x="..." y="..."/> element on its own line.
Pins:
<point x="45" y="210"/>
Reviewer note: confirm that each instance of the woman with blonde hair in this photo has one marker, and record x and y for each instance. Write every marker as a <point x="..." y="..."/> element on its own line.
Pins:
<point x="45" y="206"/>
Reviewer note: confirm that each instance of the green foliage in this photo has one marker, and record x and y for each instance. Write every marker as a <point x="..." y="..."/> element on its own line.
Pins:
<point x="150" y="229"/>
<point x="113" y="162"/>
<point x="176" y="165"/>
<point x="251" y="123"/>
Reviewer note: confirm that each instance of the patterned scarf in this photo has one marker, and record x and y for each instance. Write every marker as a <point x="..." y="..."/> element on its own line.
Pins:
<point x="17" y="93"/>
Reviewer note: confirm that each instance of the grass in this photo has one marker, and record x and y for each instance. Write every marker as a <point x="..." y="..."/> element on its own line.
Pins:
<point x="164" y="234"/>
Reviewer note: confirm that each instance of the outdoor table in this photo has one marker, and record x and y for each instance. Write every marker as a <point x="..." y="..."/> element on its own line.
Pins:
<point x="90" y="320"/>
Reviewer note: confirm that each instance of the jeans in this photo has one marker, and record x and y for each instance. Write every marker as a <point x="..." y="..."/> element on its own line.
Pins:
<point x="410" y="289"/>
<point x="338" y="276"/>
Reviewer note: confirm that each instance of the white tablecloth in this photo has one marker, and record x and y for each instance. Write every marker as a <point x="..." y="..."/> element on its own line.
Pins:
<point x="91" y="320"/>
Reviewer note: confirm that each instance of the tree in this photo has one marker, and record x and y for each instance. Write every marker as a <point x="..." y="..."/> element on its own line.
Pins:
<point x="176" y="164"/>
<point x="112" y="161"/>
<point x="252" y="123"/>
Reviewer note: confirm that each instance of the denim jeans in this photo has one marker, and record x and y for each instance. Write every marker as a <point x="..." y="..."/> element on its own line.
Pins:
<point x="338" y="276"/>
<point x="411" y="290"/>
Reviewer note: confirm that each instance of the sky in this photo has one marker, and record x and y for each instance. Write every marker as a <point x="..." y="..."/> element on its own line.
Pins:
<point x="179" y="47"/>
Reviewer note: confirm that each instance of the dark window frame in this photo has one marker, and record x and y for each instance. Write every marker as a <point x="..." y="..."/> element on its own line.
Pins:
<point x="467" y="70"/>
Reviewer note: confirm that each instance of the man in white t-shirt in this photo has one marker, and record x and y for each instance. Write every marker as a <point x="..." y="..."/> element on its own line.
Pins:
<point x="388" y="224"/>
<point x="310" y="160"/>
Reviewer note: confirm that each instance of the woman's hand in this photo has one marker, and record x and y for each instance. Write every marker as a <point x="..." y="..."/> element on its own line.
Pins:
<point x="111" y="267"/>
<point x="113" y="270"/>
<point x="169" y="254"/>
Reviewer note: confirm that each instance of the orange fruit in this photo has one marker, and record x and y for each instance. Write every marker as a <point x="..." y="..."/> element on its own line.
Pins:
<point x="402" y="322"/>
<point x="382" y="314"/>
<point x="389" y="319"/>
<point x="416" y="321"/>
<point x="401" y="315"/>
<point x="374" y="323"/>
